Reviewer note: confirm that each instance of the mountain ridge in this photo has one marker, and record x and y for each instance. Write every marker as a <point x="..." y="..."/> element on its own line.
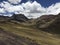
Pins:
<point x="41" y="31"/>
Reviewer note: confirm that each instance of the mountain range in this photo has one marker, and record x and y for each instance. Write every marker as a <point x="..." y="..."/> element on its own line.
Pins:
<point x="19" y="30"/>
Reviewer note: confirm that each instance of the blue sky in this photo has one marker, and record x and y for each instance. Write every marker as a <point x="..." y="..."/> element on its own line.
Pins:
<point x="47" y="3"/>
<point x="44" y="3"/>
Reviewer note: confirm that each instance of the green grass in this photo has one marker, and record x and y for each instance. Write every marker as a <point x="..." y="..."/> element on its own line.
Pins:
<point x="24" y="30"/>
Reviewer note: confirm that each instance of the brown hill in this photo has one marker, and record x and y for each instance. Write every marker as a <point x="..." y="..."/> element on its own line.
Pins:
<point x="49" y="23"/>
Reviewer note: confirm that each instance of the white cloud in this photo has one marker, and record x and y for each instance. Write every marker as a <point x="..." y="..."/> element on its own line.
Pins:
<point x="5" y="4"/>
<point x="2" y="10"/>
<point x="54" y="9"/>
<point x="14" y="1"/>
<point x="15" y="9"/>
<point x="34" y="7"/>
<point x="30" y="9"/>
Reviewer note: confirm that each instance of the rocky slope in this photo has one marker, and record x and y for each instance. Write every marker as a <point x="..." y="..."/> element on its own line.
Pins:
<point x="19" y="17"/>
<point x="49" y="23"/>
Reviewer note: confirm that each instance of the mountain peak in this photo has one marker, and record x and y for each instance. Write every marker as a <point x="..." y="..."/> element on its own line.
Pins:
<point x="19" y="17"/>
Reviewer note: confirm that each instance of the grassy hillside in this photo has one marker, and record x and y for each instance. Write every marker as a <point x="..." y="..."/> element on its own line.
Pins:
<point x="12" y="33"/>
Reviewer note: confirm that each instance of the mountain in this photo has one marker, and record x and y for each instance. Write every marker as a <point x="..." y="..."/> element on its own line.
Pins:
<point x="49" y="23"/>
<point x="14" y="18"/>
<point x="44" y="30"/>
<point x="54" y="25"/>
<point x="19" y="17"/>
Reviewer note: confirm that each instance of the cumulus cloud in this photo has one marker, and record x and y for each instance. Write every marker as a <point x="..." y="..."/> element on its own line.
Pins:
<point x="34" y="7"/>
<point x="54" y="9"/>
<point x="30" y="9"/>
<point x="2" y="10"/>
<point x="14" y="1"/>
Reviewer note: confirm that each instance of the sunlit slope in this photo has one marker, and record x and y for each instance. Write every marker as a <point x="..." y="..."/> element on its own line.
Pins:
<point x="20" y="34"/>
